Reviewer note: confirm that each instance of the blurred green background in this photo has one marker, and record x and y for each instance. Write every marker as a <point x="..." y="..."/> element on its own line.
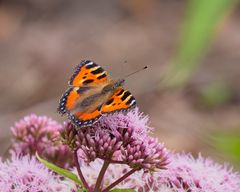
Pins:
<point x="190" y="91"/>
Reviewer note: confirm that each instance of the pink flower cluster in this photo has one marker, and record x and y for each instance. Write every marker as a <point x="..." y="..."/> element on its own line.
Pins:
<point x="25" y="174"/>
<point x="40" y="134"/>
<point x="124" y="139"/>
<point x="186" y="173"/>
<point x="118" y="142"/>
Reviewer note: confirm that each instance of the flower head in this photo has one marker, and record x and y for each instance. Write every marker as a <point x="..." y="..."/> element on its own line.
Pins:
<point x="134" y="119"/>
<point x="27" y="174"/>
<point x="39" y="134"/>
<point x="186" y="173"/>
<point x="122" y="137"/>
<point x="68" y="135"/>
<point x="148" y="154"/>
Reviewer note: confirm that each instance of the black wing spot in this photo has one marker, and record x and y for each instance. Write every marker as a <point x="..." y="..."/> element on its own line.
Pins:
<point x="113" y="104"/>
<point x="97" y="71"/>
<point x="125" y="95"/>
<point x="84" y="77"/>
<point x="120" y="93"/>
<point x="101" y="76"/>
<point x="109" y="101"/>
<point x="87" y="81"/>
<point x="85" y="73"/>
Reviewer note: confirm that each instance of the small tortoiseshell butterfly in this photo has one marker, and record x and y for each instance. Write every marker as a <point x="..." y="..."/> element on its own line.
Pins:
<point x="92" y="94"/>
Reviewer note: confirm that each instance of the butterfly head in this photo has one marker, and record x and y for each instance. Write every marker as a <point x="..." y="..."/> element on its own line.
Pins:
<point x="113" y="86"/>
<point x="119" y="83"/>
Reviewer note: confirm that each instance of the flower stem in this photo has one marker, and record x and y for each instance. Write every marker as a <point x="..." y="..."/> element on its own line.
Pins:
<point x="119" y="180"/>
<point x="101" y="175"/>
<point x="85" y="184"/>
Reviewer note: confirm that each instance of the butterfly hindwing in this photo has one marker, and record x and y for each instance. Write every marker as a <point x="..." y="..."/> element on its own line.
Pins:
<point x="69" y="105"/>
<point x="122" y="100"/>
<point x="82" y="119"/>
<point x="70" y="99"/>
<point x="88" y="73"/>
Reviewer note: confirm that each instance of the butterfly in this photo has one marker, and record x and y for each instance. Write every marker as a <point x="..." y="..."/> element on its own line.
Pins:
<point x="93" y="94"/>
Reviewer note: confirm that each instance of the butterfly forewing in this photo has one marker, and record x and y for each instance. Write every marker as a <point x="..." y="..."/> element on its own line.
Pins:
<point x="88" y="73"/>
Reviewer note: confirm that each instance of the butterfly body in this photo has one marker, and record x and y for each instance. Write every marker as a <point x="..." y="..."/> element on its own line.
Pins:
<point x="92" y="94"/>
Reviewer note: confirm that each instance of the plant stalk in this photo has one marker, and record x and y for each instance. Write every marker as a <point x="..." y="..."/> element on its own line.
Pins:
<point x="85" y="184"/>
<point x="119" y="180"/>
<point x="101" y="175"/>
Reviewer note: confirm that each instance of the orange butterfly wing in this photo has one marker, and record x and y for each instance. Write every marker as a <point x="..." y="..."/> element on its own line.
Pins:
<point x="122" y="100"/>
<point x="70" y="99"/>
<point x="82" y="119"/>
<point x="88" y="73"/>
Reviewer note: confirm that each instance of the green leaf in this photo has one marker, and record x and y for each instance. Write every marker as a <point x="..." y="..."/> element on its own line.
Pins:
<point x="122" y="190"/>
<point x="202" y="19"/>
<point x="60" y="171"/>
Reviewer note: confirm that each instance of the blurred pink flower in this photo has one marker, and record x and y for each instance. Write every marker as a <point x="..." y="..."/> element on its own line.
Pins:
<point x="124" y="138"/>
<point x="25" y="174"/>
<point x="40" y="134"/>
<point x="184" y="174"/>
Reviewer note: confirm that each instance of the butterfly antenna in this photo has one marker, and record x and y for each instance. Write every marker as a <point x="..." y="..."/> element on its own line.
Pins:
<point x="136" y="71"/>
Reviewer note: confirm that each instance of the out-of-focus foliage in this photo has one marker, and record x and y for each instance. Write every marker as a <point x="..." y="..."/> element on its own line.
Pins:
<point x="215" y="94"/>
<point x="200" y="25"/>
<point x="202" y="20"/>
<point x="229" y="144"/>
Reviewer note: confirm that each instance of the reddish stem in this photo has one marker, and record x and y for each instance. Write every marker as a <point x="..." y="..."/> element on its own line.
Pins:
<point x="85" y="184"/>
<point x="119" y="180"/>
<point x="101" y="175"/>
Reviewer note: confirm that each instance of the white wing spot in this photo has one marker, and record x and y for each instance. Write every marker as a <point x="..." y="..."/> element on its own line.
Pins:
<point x="89" y="63"/>
<point x="133" y="102"/>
